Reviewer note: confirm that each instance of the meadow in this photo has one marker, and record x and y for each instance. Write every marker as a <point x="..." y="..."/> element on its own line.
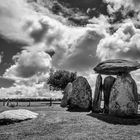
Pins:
<point x="56" y="123"/>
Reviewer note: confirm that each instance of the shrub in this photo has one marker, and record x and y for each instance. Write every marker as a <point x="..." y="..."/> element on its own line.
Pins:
<point x="59" y="79"/>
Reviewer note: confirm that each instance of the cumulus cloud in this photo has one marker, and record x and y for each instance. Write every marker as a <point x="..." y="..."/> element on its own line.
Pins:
<point x="28" y="64"/>
<point x="80" y="54"/>
<point x="13" y="16"/>
<point x="124" y="43"/>
<point x="33" y="87"/>
<point x="36" y="91"/>
<point x="69" y="43"/>
<point x="74" y="48"/>
<point x="115" y="5"/>
<point x="120" y="10"/>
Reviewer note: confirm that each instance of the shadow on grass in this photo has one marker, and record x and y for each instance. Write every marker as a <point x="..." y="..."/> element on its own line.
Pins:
<point x="9" y="121"/>
<point x="78" y="110"/>
<point x="133" y="120"/>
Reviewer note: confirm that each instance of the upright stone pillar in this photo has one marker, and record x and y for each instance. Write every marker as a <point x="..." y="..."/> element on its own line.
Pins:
<point x="81" y="95"/>
<point x="66" y="94"/>
<point x="124" y="96"/>
<point x="96" y="105"/>
<point x="108" y="83"/>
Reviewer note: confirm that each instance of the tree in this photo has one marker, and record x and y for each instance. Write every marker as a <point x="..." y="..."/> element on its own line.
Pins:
<point x="60" y="79"/>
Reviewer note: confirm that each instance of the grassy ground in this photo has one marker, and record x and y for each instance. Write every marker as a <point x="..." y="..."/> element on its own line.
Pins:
<point x="55" y="123"/>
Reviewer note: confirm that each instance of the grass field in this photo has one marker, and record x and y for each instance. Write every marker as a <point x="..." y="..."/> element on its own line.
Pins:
<point x="55" y="123"/>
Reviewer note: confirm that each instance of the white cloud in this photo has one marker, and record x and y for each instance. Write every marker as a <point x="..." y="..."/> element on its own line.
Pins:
<point x="33" y="87"/>
<point x="13" y="16"/>
<point x="75" y="47"/>
<point x="28" y="64"/>
<point x="124" y="43"/>
<point x="35" y="91"/>
<point x="115" y="5"/>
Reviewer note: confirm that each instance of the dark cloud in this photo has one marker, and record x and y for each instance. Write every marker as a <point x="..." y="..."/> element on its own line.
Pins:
<point x="84" y="55"/>
<point x="85" y="4"/>
<point x="38" y="34"/>
<point x="6" y="83"/>
<point x="9" y="48"/>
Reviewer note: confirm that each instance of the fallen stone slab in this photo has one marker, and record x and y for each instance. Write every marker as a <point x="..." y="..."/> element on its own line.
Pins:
<point x="17" y="115"/>
<point x="116" y="66"/>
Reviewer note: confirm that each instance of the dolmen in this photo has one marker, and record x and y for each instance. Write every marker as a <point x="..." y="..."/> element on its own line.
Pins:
<point x="77" y="95"/>
<point x="120" y="93"/>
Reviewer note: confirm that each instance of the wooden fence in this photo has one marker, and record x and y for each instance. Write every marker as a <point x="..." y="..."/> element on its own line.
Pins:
<point x="16" y="102"/>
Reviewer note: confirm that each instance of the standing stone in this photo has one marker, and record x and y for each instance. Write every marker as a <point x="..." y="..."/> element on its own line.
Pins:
<point x="81" y="95"/>
<point x="124" y="96"/>
<point x="66" y="94"/>
<point x="108" y="83"/>
<point x="96" y="105"/>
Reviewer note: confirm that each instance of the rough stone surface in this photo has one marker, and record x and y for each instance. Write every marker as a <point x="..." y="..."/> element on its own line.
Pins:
<point x="18" y="115"/>
<point x="96" y="105"/>
<point x="81" y="95"/>
<point x="108" y="83"/>
<point x="116" y="66"/>
<point x="66" y="94"/>
<point x="124" y="97"/>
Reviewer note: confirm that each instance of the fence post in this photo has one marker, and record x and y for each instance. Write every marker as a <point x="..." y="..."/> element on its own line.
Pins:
<point x="8" y="102"/>
<point x="29" y="103"/>
<point x="50" y="101"/>
<point x="17" y="102"/>
<point x="3" y="102"/>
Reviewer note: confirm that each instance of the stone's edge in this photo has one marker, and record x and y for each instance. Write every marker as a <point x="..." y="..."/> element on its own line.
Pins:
<point x="116" y="66"/>
<point x="105" y="72"/>
<point x="15" y="115"/>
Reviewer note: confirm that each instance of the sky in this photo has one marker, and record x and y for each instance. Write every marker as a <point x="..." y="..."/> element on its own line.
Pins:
<point x="27" y="34"/>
